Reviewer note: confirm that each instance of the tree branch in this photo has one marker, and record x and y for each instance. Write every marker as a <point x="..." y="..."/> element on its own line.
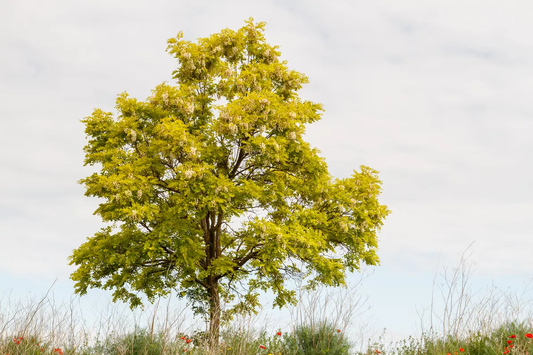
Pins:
<point x="145" y="226"/>
<point x="168" y="250"/>
<point x="201" y="283"/>
<point x="240" y="158"/>
<point x="240" y="264"/>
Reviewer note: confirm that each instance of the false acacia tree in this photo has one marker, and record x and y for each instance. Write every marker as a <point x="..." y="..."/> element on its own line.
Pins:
<point x="177" y="169"/>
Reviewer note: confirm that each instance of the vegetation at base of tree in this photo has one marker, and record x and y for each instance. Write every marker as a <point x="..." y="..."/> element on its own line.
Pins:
<point x="486" y="327"/>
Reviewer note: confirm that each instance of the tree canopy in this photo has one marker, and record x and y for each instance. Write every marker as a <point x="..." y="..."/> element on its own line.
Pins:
<point x="225" y="143"/>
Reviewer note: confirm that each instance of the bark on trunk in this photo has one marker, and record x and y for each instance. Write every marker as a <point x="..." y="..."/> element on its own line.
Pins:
<point x="212" y="230"/>
<point x="214" y="319"/>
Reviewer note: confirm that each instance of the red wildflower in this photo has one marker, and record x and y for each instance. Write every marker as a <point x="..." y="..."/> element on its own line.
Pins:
<point x="512" y="336"/>
<point x="461" y="349"/>
<point x="188" y="341"/>
<point x="278" y="333"/>
<point x="509" y="341"/>
<point x="262" y="347"/>
<point x="529" y="335"/>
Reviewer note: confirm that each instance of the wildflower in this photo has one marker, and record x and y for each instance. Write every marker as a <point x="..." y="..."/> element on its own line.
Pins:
<point x="461" y="349"/>
<point x="262" y="347"/>
<point x="132" y="133"/>
<point x="506" y="351"/>
<point x="189" y="108"/>
<point x="448" y="354"/>
<point x="511" y="346"/>
<point x="529" y="335"/>
<point x="188" y="341"/>
<point x="512" y="336"/>
<point x="509" y="341"/>
<point x="232" y="128"/>
<point x="278" y="333"/>
<point x="379" y="352"/>
<point x="338" y="330"/>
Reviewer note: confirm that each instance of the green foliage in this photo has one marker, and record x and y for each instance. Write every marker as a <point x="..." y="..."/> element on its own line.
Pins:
<point x="479" y="344"/>
<point x="17" y="346"/>
<point x="321" y="341"/>
<point x="500" y="336"/>
<point x="200" y="338"/>
<point x="178" y="168"/>
<point x="410" y="346"/>
<point x="137" y="343"/>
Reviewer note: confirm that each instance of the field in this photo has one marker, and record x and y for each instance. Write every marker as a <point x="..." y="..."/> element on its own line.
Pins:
<point x="491" y="327"/>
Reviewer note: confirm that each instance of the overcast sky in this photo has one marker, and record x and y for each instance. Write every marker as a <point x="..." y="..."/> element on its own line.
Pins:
<point x="435" y="96"/>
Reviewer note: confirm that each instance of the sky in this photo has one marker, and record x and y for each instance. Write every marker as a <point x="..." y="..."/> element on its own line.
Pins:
<point x="435" y="96"/>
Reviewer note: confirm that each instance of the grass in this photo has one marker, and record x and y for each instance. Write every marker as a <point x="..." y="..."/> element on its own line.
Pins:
<point x="464" y="328"/>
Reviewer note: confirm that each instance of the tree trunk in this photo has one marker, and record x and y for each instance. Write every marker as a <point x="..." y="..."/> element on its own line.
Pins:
<point x="214" y="319"/>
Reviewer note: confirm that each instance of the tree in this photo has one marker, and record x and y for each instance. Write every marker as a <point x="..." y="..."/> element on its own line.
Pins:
<point x="177" y="169"/>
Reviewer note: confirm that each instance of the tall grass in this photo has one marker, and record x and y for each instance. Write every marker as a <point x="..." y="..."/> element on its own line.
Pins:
<point x="491" y="326"/>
